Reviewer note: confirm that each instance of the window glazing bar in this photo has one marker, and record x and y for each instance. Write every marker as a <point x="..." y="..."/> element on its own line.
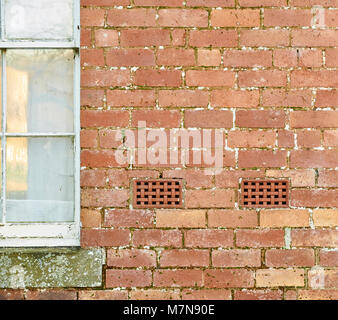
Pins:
<point x="3" y="129"/>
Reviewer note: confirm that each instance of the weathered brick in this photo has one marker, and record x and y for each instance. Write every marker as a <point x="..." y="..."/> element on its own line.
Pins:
<point x="280" y="277"/>
<point x="127" y="278"/>
<point x="180" y="218"/>
<point x="260" y="238"/>
<point x="184" y="258"/>
<point x="209" y="238"/>
<point x="314" y="238"/>
<point x="236" y="258"/>
<point x="289" y="258"/>
<point x="232" y="218"/>
<point x="284" y="218"/>
<point x="228" y="278"/>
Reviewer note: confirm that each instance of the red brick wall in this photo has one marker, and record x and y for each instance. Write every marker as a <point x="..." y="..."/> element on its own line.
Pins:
<point x="263" y="71"/>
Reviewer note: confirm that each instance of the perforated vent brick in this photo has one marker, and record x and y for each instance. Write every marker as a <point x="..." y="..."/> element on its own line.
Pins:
<point x="157" y="193"/>
<point x="265" y="193"/>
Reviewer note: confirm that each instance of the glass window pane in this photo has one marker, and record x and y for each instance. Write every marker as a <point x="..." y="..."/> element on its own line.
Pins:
<point x="40" y="90"/>
<point x="40" y="180"/>
<point x="39" y="19"/>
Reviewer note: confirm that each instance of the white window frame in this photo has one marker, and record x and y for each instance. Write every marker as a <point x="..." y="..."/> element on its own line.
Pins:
<point x="43" y="234"/>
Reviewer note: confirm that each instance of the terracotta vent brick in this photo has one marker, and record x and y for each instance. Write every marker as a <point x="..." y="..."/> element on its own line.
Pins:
<point x="157" y="193"/>
<point x="265" y="193"/>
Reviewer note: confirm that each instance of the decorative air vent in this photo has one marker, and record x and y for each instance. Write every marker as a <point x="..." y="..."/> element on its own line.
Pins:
<point x="158" y="193"/>
<point x="265" y="193"/>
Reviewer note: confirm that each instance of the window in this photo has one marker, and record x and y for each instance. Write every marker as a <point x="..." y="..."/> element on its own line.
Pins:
<point x="40" y="162"/>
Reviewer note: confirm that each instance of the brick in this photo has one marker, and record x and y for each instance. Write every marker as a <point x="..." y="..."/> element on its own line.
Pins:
<point x="103" y="295"/>
<point x="328" y="258"/>
<point x="314" y="159"/>
<point x="232" y="218"/>
<point x="209" y="238"/>
<point x="178" y="278"/>
<point x="90" y="218"/>
<point x="279" y="277"/>
<point x="154" y="294"/>
<point x="289" y="258"/>
<point x="321" y="278"/>
<point x="88" y="138"/>
<point x="157" y="238"/>
<point x="258" y="295"/>
<point x="236" y="258"/>
<point x="210" y="3"/>
<point x="235" y="18"/>
<point x="230" y="179"/>
<point x="208" y="58"/>
<point x="285" y="58"/>
<point x="247" y="58"/>
<point x="261" y="158"/>
<point x="127" y="278"/>
<point x="260" y="238"/>
<point x="310" y="3"/>
<point x="287" y="18"/>
<point x="260" y="118"/>
<point x="314" y="198"/>
<point x="184" y="258"/>
<point x="286" y="139"/>
<point x="314" y="119"/>
<point x="176" y="57"/>
<point x="317" y="78"/>
<point x="106" y="38"/>
<point x="178" y="37"/>
<point x="327" y="98"/>
<point x="210" y="78"/>
<point x="131" y="17"/>
<point x="172" y="3"/>
<point x="99" y="158"/>
<point x="208" y="119"/>
<point x="105" y="78"/>
<point x="131" y="258"/>
<point x="183" y="98"/>
<point x="310" y="58"/>
<point x="210" y="198"/>
<point x="8" y="294"/>
<point x="183" y="18"/>
<point x="206" y="294"/>
<point x="262" y="78"/>
<point x="92" y="57"/>
<point x="86" y="37"/>
<point x="235" y="98"/>
<point x="251" y="139"/>
<point x="314" y="38"/>
<point x="299" y="177"/>
<point x="104" y="118"/>
<point x="284" y="218"/>
<point x="309" y="139"/>
<point x="93" y="178"/>
<point x="330" y="138"/>
<point x="314" y="238"/>
<point x="328" y="178"/>
<point x="104" y="197"/>
<point x="180" y="218"/>
<point x="263" y="3"/>
<point x="130" y="57"/>
<point x="128" y="218"/>
<point x="92" y="17"/>
<point x="266" y="38"/>
<point x="131" y="98"/>
<point x="51" y="294"/>
<point x="213" y="38"/>
<point x="325" y="217"/>
<point x="331" y="17"/>
<point x="157" y="118"/>
<point x="158" y="78"/>
<point x="194" y="178"/>
<point x="317" y="294"/>
<point x="93" y="98"/>
<point x="290" y="295"/>
<point x="331" y="58"/>
<point x="144" y="37"/>
<point x="105" y="2"/>
<point x="104" y="238"/>
<point x="110" y="138"/>
<point x="228" y="278"/>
